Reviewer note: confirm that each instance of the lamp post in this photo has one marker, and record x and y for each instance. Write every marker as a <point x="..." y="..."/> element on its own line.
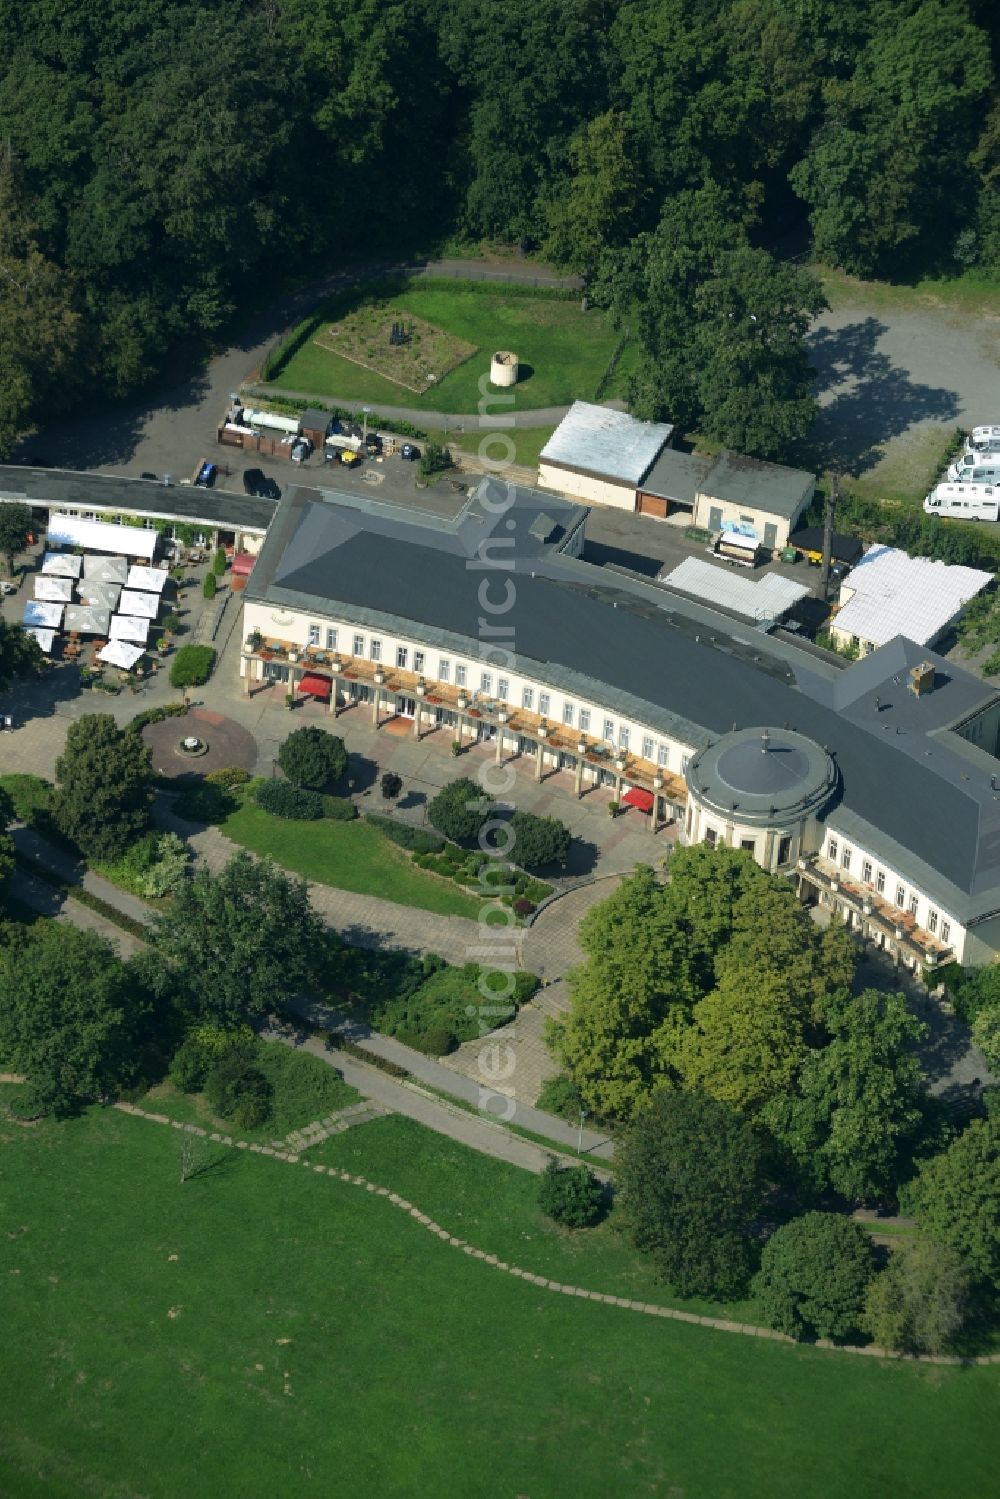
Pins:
<point x="366" y="413"/>
<point x="579" y="1138"/>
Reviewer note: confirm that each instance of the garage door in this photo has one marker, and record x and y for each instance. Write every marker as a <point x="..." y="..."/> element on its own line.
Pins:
<point x="652" y="504"/>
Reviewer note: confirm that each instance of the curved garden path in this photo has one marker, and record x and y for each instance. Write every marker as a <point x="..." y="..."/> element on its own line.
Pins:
<point x="645" y="1308"/>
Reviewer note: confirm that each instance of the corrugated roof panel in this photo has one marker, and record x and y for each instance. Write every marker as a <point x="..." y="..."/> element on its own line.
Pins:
<point x="895" y="594"/>
<point x="606" y="442"/>
<point x="761" y="598"/>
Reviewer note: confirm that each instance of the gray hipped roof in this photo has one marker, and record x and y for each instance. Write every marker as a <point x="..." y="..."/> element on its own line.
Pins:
<point x="914" y="787"/>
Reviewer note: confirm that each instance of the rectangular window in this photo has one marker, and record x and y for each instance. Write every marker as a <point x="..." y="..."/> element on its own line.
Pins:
<point x="914" y="903"/>
<point x="461" y="675"/>
<point x="748" y="845"/>
<point x="945" y="931"/>
<point x="584" y="720"/>
<point x="784" y="851"/>
<point x="402" y="657"/>
<point x="880" y="882"/>
<point x="375" y="649"/>
<point x="866" y="871"/>
<point x="623" y="738"/>
<point x="609" y="730"/>
<point x="711" y="837"/>
<point x="568" y="711"/>
<point x="647" y="747"/>
<point x="528" y="698"/>
<point x="544" y="703"/>
<point x="418" y="661"/>
<point x="900" y="896"/>
<point x="359" y="646"/>
<point x="932" y="921"/>
<point x="444" y="669"/>
<point x="831" y="851"/>
<point x="486" y="683"/>
<point x="663" y="755"/>
<point x="685" y="762"/>
<point x="314" y="634"/>
<point x="503" y="689"/>
<point x="331" y="640"/>
<point x="845" y="861"/>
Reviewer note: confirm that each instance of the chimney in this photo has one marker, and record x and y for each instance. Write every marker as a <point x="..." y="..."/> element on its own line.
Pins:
<point x="922" y="679"/>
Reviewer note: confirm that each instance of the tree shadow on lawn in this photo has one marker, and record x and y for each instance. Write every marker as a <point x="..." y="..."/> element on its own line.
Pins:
<point x="871" y="400"/>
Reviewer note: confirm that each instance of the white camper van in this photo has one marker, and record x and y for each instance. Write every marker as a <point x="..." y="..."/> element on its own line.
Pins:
<point x="981" y="468"/>
<point x="964" y="501"/>
<point x="983" y="440"/>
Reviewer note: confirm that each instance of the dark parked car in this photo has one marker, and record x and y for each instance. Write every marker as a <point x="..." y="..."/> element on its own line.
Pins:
<point x="253" y="478"/>
<point x="206" y="475"/>
<point x="147" y="475"/>
<point x="268" y="489"/>
<point x="409" y="451"/>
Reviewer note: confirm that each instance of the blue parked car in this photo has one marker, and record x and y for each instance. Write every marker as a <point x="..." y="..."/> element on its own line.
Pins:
<point x="206" y="475"/>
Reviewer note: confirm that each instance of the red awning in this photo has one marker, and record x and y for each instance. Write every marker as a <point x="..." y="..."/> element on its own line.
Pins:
<point x="318" y="686"/>
<point x="242" y="564"/>
<point x="636" y="797"/>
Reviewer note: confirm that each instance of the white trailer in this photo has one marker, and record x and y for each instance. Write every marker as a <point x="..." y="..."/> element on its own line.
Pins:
<point x="980" y="468"/>
<point x="964" y="501"/>
<point x="983" y="440"/>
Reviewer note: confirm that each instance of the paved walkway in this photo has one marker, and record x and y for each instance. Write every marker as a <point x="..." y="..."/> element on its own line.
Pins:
<point x="538" y="1282"/>
<point x="418" y="416"/>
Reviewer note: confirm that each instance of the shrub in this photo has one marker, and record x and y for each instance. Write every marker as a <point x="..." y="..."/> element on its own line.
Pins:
<point x="205" y="803"/>
<point x="187" y="1070"/>
<point x="918" y="1304"/>
<point x="29" y="796"/>
<point x="523" y="907"/>
<point x="438" y="1041"/>
<point x="192" y="666"/>
<point x="312" y="758"/>
<point x="458" y="810"/>
<point x="154" y="715"/>
<point x="201" y="1048"/>
<point x="813" y="1276"/>
<point x="561" y="1096"/>
<point x="434" y="459"/>
<point x="417" y="840"/>
<point x="571" y="1195"/>
<point x="338" y="808"/>
<point x="253" y="1096"/>
<point x="539" y="840"/>
<point x="219" y="562"/>
<point x="168" y="869"/>
<point x="210" y="586"/>
<point x="282" y="799"/>
<point x="229" y="777"/>
<point x="392" y="785"/>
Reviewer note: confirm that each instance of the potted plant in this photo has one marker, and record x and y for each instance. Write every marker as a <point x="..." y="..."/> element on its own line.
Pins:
<point x="289" y="700"/>
<point x="612" y="809"/>
<point x="256" y="640"/>
<point x="456" y="747"/>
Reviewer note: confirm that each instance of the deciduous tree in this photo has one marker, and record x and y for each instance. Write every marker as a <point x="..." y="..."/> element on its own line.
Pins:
<point x="241" y="942"/>
<point x="814" y="1273"/>
<point x="689" y="1174"/>
<point x="15" y="528"/>
<point x="955" y="1198"/>
<point x="918" y="1303"/>
<point x="313" y="758"/>
<point x="103" y="787"/>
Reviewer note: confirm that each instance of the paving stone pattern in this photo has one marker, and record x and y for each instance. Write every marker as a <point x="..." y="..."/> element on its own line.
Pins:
<point x="649" y="1309"/>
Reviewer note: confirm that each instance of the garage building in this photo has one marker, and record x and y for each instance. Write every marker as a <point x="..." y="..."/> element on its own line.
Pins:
<point x="601" y="456"/>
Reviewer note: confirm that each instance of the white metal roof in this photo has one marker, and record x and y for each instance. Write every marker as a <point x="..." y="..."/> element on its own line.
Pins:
<point x="764" y="598"/>
<point x="48" y="615"/>
<point x="891" y="593"/>
<point x="74" y="531"/>
<point x="609" y="443"/>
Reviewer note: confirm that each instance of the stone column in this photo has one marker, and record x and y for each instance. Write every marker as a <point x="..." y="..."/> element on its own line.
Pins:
<point x="578" y="777"/>
<point x="654" y="820"/>
<point x="376" y="694"/>
<point x="498" y="757"/>
<point x="331" y="706"/>
<point x="539" y="756"/>
<point x="460" y="729"/>
<point x="416" y="717"/>
<point x="248" y="666"/>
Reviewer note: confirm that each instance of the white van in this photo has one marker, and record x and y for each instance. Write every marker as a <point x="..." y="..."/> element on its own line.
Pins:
<point x="981" y="468"/>
<point x="983" y="440"/>
<point x="964" y="501"/>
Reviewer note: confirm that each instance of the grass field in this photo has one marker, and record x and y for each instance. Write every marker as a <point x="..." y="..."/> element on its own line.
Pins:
<point x="260" y="1331"/>
<point x="348" y="855"/>
<point x="972" y="292"/>
<point x="565" y="350"/>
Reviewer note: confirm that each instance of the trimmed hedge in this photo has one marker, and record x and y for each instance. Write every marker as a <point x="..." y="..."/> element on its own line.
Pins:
<point x="154" y="715"/>
<point x="338" y="808"/>
<point x="230" y="776"/>
<point x="282" y="799"/>
<point x="192" y="666"/>
<point x="416" y="840"/>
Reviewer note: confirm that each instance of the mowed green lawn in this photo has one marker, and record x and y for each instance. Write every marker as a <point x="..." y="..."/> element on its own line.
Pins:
<point x="261" y="1330"/>
<point x="563" y="351"/>
<point x="349" y="855"/>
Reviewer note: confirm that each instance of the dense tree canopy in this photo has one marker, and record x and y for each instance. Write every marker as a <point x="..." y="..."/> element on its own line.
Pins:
<point x="68" y="1015"/>
<point x="956" y="1198"/>
<point x="313" y="758"/>
<point x="20" y="653"/>
<point x="159" y="167"/>
<point x="104" y="790"/>
<point x="813" y="1276"/>
<point x="240" y="942"/>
